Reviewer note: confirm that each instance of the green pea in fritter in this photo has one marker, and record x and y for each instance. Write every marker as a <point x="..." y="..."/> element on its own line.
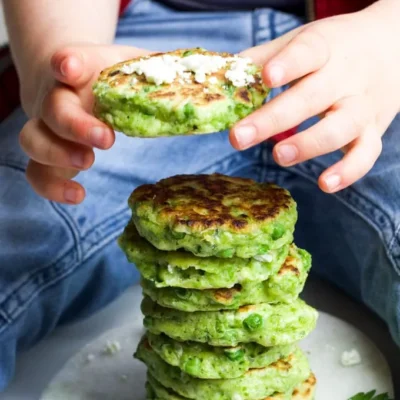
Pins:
<point x="265" y="324"/>
<point x="206" y="362"/>
<point x="185" y="270"/>
<point x="280" y="377"/>
<point x="282" y="287"/>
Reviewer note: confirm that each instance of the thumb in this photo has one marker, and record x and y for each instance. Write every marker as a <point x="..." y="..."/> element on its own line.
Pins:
<point x="77" y="66"/>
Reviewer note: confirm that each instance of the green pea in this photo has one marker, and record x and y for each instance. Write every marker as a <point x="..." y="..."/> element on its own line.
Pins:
<point x="234" y="354"/>
<point x="226" y="253"/>
<point x="253" y="322"/>
<point x="192" y="366"/>
<point x="188" y="110"/>
<point x="242" y="110"/>
<point x="263" y="249"/>
<point x="278" y="232"/>
<point x="229" y="88"/>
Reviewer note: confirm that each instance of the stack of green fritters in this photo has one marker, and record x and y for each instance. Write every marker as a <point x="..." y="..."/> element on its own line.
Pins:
<point x="221" y="279"/>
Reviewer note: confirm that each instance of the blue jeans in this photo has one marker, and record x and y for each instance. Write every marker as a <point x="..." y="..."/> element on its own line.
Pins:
<point x="59" y="262"/>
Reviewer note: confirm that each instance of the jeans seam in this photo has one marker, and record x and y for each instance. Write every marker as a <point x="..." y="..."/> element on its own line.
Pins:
<point x="365" y="199"/>
<point x="349" y="205"/>
<point x="5" y="317"/>
<point x="23" y="305"/>
<point x="395" y="238"/>
<point x="72" y="226"/>
<point x="13" y="165"/>
<point x="116" y="214"/>
<point x="117" y="224"/>
<point x="75" y="248"/>
<point x="272" y="25"/>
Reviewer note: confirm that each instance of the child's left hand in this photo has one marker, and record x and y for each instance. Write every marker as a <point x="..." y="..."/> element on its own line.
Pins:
<point x="348" y="70"/>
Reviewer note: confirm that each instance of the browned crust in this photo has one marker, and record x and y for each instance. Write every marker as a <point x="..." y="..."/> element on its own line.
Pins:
<point x="226" y="295"/>
<point x="289" y="266"/>
<point x="207" y="201"/>
<point x="304" y="392"/>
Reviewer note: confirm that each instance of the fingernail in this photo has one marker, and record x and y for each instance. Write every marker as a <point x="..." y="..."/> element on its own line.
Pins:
<point x="71" y="195"/>
<point x="332" y="182"/>
<point x="276" y="73"/>
<point x="64" y="67"/>
<point x="287" y="153"/>
<point x="97" y="136"/>
<point x="68" y="65"/>
<point x="245" y="135"/>
<point x="78" y="159"/>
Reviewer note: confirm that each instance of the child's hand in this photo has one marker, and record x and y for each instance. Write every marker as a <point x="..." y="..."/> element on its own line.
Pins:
<point x="348" y="71"/>
<point x="60" y="136"/>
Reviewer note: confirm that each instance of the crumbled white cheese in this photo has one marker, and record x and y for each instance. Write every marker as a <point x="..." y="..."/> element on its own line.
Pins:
<point x="112" y="347"/>
<point x="264" y="257"/>
<point x="134" y="81"/>
<point x="206" y="90"/>
<point x="200" y="77"/>
<point x="166" y="68"/>
<point x="213" y="80"/>
<point x="350" y="358"/>
<point x="237" y="73"/>
<point x="202" y="64"/>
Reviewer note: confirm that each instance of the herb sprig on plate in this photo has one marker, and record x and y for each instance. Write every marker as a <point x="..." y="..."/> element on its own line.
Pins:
<point x="371" y="396"/>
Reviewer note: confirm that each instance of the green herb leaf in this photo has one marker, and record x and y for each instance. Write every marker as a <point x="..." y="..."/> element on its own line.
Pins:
<point x="371" y="396"/>
<point x="229" y="88"/>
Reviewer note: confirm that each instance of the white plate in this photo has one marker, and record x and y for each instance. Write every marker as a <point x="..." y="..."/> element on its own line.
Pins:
<point x="120" y="377"/>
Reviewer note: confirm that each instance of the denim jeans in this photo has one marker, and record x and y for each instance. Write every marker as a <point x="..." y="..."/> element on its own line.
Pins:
<point x="59" y="263"/>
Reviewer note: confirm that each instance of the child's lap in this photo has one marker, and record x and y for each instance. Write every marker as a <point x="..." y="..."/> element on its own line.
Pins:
<point x="60" y="262"/>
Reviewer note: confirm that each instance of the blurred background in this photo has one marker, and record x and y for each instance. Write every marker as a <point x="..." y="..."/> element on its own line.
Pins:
<point x="3" y="34"/>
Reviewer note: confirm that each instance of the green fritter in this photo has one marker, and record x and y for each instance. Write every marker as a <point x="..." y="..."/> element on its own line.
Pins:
<point x="214" y="215"/>
<point x="185" y="270"/>
<point x="279" y="377"/>
<point x="187" y="91"/>
<point x="281" y="287"/>
<point x="265" y="324"/>
<point x="305" y="391"/>
<point x="206" y="362"/>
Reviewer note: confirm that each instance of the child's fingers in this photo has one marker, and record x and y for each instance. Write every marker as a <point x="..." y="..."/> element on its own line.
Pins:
<point x="77" y="66"/>
<point x="336" y="130"/>
<point x="306" y="53"/>
<point x="359" y="159"/>
<point x="297" y="104"/>
<point x="68" y="67"/>
<point x="44" y="147"/>
<point x="51" y="185"/>
<point x="64" y="115"/>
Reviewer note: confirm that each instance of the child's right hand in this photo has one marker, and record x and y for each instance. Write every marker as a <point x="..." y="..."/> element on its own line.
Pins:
<point x="60" y="136"/>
